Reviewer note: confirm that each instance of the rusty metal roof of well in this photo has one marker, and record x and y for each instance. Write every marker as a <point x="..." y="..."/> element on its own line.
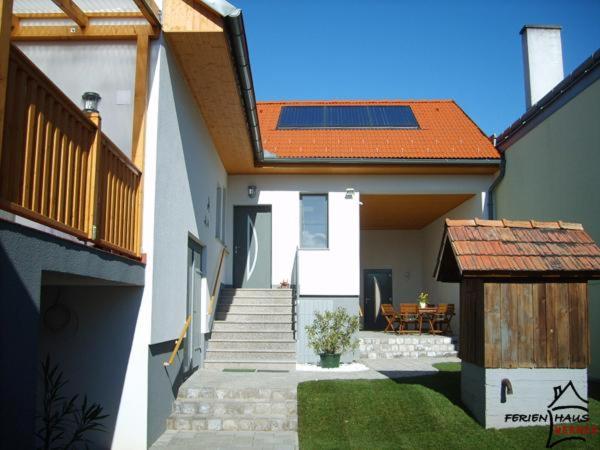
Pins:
<point x="445" y="132"/>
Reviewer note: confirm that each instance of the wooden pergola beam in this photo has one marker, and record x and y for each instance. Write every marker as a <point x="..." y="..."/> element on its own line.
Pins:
<point x="91" y="32"/>
<point x="150" y="11"/>
<point x="90" y="15"/>
<point x="73" y="11"/>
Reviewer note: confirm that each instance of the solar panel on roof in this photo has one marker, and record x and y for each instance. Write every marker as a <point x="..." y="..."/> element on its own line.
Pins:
<point x="350" y="116"/>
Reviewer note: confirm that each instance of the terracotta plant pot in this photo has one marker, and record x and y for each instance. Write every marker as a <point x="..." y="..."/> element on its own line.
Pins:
<point x="330" y="361"/>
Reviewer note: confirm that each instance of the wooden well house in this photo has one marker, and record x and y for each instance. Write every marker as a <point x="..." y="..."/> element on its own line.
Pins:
<point x="524" y="326"/>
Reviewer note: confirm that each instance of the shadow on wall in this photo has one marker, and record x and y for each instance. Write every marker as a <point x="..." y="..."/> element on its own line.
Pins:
<point x="18" y="337"/>
<point x="88" y="331"/>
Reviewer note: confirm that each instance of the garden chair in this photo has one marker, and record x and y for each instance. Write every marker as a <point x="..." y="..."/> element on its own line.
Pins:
<point x="440" y="321"/>
<point x="391" y="316"/>
<point x="409" y="315"/>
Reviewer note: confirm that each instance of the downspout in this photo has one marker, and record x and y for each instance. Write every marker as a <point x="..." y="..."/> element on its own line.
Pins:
<point x="490" y="193"/>
<point x="234" y="23"/>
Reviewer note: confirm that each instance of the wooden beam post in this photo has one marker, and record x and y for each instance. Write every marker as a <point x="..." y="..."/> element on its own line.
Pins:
<point x="5" y="30"/>
<point x="150" y="11"/>
<point x="140" y="103"/>
<point x="71" y="9"/>
<point x="93" y="188"/>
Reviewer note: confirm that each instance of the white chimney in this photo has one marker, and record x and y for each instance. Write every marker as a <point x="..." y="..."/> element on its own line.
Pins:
<point x="542" y="60"/>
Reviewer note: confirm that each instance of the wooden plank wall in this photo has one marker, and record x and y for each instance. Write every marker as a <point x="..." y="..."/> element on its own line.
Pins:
<point x="471" y="321"/>
<point x="533" y="325"/>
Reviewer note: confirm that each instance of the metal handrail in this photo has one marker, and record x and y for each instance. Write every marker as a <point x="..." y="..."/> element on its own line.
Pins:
<point x="179" y="341"/>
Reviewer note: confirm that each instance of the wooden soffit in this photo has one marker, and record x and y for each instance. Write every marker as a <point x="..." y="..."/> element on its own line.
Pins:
<point x="198" y="38"/>
<point x="405" y="212"/>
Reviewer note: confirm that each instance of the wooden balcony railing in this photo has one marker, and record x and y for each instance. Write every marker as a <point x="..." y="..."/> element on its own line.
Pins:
<point x="59" y="169"/>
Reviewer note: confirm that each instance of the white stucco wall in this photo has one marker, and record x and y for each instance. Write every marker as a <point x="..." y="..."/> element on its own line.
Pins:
<point x="188" y="171"/>
<point x="333" y="271"/>
<point x="105" y="67"/>
<point x="398" y="250"/>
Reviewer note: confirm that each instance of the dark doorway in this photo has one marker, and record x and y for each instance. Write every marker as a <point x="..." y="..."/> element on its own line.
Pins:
<point x="377" y="290"/>
<point x="252" y="246"/>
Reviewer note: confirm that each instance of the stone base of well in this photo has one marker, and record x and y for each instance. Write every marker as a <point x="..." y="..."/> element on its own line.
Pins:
<point x="533" y="399"/>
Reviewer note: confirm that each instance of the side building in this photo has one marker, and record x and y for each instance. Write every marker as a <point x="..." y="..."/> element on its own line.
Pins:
<point x="551" y="156"/>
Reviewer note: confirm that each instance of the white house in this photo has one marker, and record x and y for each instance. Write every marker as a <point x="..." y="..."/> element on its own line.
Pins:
<point x="183" y="184"/>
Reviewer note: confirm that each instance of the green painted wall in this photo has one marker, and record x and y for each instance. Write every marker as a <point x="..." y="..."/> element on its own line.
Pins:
<point x="553" y="173"/>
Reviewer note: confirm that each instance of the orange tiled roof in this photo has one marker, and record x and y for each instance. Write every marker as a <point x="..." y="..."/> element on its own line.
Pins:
<point x="445" y="132"/>
<point x="513" y="247"/>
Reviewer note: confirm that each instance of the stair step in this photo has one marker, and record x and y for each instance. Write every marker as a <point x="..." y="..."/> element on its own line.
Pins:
<point x="260" y="293"/>
<point x="258" y="301"/>
<point x="218" y="394"/>
<point x="224" y="408"/>
<point x="249" y="355"/>
<point x="233" y="423"/>
<point x="244" y="364"/>
<point x="237" y="308"/>
<point x="253" y="317"/>
<point x="231" y="325"/>
<point x="260" y="335"/>
<point x="257" y="344"/>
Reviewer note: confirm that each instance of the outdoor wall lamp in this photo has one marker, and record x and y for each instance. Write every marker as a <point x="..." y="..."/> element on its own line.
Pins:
<point x="252" y="191"/>
<point x="90" y="101"/>
<point x="349" y="193"/>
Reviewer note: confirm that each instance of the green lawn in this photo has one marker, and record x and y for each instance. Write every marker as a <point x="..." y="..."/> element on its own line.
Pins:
<point x="416" y="413"/>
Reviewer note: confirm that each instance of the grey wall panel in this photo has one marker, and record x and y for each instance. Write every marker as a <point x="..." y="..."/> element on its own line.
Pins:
<point x="163" y="385"/>
<point x="306" y="308"/>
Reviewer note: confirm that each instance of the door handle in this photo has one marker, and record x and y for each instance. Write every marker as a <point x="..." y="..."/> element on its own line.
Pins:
<point x="235" y="249"/>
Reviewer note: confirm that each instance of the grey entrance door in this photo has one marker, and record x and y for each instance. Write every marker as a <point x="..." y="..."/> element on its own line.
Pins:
<point x="377" y="290"/>
<point x="193" y="343"/>
<point x="252" y="246"/>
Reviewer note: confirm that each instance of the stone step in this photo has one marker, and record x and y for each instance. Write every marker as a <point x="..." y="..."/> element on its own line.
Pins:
<point x="224" y="408"/>
<point x="241" y="300"/>
<point x="249" y="355"/>
<point x="260" y="293"/>
<point x="254" y="317"/>
<point x="253" y="335"/>
<point x="256" y="344"/>
<point x="407" y="354"/>
<point x="231" y="325"/>
<point x="233" y="423"/>
<point x="245" y="364"/>
<point x="241" y="308"/>
<point x="231" y="393"/>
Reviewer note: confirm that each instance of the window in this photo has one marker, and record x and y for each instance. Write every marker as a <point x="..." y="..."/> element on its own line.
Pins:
<point x="313" y="218"/>
<point x="220" y="213"/>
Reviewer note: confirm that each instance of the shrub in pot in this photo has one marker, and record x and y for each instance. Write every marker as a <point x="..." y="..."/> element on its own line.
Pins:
<point x="331" y="334"/>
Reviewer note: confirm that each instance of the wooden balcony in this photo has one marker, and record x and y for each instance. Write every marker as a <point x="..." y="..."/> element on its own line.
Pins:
<point x="58" y="168"/>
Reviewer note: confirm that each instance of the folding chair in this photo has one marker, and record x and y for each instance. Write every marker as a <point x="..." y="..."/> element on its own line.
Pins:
<point x="391" y="316"/>
<point x="409" y="315"/>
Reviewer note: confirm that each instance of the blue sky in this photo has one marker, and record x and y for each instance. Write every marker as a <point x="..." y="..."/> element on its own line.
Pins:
<point x="383" y="49"/>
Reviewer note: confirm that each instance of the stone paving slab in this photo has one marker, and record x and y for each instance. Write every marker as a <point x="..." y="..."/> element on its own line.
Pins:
<point x="224" y="440"/>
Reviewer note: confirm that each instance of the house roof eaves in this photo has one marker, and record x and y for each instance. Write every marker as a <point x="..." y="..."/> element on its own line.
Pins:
<point x="566" y="86"/>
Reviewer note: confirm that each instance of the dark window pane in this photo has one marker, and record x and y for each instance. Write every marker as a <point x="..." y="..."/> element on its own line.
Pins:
<point x="314" y="221"/>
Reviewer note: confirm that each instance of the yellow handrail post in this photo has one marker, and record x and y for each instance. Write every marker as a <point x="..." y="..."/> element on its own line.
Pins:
<point x="179" y="341"/>
<point x="95" y="159"/>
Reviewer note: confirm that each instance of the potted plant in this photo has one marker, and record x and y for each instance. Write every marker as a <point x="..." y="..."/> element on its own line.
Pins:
<point x="331" y="334"/>
<point x="423" y="297"/>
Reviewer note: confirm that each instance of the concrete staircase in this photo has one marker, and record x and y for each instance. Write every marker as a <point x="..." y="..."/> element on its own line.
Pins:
<point x="387" y="346"/>
<point x="234" y="409"/>
<point x="253" y="329"/>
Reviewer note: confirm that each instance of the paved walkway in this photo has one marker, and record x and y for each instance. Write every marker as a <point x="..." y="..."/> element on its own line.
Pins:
<point x="283" y="440"/>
